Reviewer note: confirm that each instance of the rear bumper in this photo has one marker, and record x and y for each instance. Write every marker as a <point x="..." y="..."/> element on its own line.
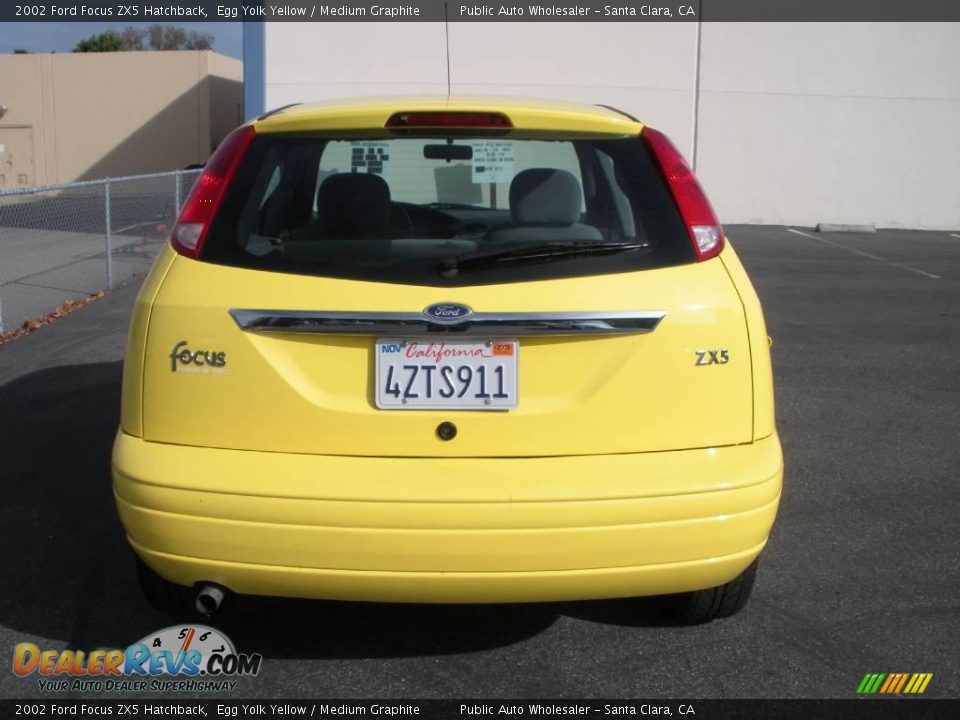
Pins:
<point x="447" y="530"/>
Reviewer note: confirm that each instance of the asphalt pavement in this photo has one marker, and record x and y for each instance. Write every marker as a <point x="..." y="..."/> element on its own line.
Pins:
<point x="862" y="572"/>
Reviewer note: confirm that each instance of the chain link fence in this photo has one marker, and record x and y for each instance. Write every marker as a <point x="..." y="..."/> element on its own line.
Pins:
<point x="63" y="242"/>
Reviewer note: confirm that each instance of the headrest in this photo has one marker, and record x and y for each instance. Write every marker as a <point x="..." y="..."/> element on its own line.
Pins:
<point x="545" y="196"/>
<point x="353" y="205"/>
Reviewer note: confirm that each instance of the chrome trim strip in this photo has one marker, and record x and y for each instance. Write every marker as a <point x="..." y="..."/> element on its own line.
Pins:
<point x="404" y="324"/>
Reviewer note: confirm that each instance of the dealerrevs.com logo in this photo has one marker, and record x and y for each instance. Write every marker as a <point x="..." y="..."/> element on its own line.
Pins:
<point x="180" y="658"/>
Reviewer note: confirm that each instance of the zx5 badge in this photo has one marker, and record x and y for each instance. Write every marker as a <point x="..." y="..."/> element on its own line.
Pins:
<point x="712" y="357"/>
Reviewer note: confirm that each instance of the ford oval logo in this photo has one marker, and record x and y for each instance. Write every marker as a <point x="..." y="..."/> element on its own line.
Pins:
<point x="447" y="313"/>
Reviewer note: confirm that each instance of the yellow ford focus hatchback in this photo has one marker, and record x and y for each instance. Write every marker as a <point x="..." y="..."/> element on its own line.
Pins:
<point x="448" y="350"/>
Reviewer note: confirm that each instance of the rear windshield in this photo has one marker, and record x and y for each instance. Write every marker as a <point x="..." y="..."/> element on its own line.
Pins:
<point x="447" y="211"/>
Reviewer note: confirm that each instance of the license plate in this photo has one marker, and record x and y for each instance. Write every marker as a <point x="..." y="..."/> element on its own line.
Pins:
<point x="449" y="374"/>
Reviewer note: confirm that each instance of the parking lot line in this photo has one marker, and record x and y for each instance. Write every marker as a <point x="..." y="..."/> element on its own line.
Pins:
<point x="866" y="254"/>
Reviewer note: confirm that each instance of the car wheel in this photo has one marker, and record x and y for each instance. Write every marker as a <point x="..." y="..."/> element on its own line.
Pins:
<point x="164" y="595"/>
<point x="702" y="606"/>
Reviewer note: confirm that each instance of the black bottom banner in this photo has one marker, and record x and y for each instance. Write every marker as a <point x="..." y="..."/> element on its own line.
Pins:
<point x="852" y="709"/>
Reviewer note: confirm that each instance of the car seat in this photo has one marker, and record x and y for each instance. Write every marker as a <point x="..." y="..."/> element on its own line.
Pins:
<point x="353" y="206"/>
<point x="544" y="207"/>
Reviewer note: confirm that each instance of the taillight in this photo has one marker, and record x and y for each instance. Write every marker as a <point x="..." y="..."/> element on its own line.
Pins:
<point x="704" y="229"/>
<point x="207" y="192"/>
<point x="450" y="119"/>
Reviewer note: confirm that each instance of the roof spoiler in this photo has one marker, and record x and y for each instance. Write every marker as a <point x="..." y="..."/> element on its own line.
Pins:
<point x="618" y="110"/>
<point x="280" y="109"/>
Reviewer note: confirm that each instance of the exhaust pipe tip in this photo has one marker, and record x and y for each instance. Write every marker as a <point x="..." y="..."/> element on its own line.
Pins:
<point x="209" y="598"/>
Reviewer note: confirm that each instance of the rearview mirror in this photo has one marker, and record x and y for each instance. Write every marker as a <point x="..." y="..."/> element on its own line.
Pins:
<point x="448" y="152"/>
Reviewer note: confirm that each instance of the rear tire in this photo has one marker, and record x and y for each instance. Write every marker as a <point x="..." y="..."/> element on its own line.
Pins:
<point x="162" y="594"/>
<point x="702" y="606"/>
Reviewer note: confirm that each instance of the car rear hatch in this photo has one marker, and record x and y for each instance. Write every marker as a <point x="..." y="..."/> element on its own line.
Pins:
<point x="278" y="339"/>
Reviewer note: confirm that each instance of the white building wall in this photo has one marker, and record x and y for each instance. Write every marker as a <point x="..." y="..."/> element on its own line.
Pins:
<point x="304" y="62"/>
<point x="644" y="69"/>
<point x="796" y="123"/>
<point x="832" y="122"/>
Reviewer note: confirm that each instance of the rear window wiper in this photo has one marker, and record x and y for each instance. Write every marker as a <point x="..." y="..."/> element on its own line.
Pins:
<point x="453" y="206"/>
<point x="537" y="252"/>
<point x="450" y="266"/>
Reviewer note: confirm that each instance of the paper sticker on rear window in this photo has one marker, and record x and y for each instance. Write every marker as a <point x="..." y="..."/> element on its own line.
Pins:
<point x="492" y="161"/>
<point x="370" y="156"/>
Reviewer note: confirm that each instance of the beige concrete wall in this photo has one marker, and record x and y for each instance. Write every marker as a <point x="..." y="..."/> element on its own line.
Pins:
<point x="23" y="96"/>
<point x="225" y="81"/>
<point x="793" y="123"/>
<point x="98" y="115"/>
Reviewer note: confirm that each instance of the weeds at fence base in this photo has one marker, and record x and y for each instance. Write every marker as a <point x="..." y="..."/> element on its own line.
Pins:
<point x="66" y="308"/>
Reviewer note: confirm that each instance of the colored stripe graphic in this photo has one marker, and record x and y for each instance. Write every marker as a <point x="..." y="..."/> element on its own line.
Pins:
<point x="894" y="683"/>
<point x="891" y="680"/>
<point x="920" y="682"/>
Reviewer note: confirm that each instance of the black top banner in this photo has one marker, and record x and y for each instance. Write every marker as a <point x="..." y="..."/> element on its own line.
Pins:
<point x="483" y="11"/>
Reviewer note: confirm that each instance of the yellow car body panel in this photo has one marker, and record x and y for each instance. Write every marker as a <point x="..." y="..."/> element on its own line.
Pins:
<point x="628" y="467"/>
<point x="312" y="393"/>
<point x="448" y="530"/>
<point x="764" y="421"/>
<point x="131" y="406"/>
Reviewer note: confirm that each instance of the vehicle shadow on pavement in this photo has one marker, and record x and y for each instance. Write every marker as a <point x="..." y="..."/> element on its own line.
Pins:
<point x="68" y="574"/>
<point x="277" y="627"/>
